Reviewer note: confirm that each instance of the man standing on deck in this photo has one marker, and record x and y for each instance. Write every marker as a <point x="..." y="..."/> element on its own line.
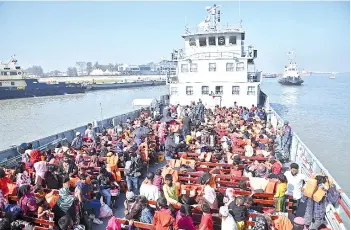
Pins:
<point x="200" y="110"/>
<point x="286" y="139"/>
<point x="89" y="133"/>
<point x="186" y="125"/>
<point x="296" y="181"/>
<point x="132" y="171"/>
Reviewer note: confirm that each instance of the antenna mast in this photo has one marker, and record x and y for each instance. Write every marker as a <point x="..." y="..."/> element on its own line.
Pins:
<point x="240" y="13"/>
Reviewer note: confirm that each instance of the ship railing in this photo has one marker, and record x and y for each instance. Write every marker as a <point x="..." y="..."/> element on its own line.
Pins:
<point x="212" y="55"/>
<point x="338" y="216"/>
<point x="12" y="156"/>
<point x="212" y="29"/>
<point x="13" y="161"/>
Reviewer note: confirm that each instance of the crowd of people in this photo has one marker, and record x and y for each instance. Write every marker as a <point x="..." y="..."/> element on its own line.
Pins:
<point x="79" y="182"/>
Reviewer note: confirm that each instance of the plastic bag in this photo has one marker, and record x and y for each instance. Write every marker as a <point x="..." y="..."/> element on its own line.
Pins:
<point x="105" y="211"/>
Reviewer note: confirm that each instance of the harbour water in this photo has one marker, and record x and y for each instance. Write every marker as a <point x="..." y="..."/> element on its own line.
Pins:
<point x="29" y="119"/>
<point x="318" y="111"/>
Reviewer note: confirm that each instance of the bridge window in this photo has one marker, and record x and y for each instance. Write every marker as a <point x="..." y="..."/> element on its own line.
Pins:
<point x="212" y="67"/>
<point x="203" y="41"/>
<point x="174" y="90"/>
<point x="221" y="40"/>
<point x="0" y="83"/>
<point x="251" y="90"/>
<point x="192" y="42"/>
<point x="184" y="68"/>
<point x="236" y="90"/>
<point x="189" y="90"/>
<point x="232" y="40"/>
<point x="240" y="66"/>
<point x="212" y="41"/>
<point x="219" y="90"/>
<point x="193" y="67"/>
<point x="12" y="83"/>
<point x="205" y="90"/>
<point x="230" y="67"/>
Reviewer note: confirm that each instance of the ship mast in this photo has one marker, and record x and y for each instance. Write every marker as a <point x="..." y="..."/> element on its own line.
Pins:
<point x="213" y="16"/>
<point x="291" y="55"/>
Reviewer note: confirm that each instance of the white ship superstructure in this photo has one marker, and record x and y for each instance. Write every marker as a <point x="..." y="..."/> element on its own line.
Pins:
<point x="215" y="66"/>
<point x="291" y="75"/>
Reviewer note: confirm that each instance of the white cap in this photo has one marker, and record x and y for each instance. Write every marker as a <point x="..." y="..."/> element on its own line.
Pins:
<point x="77" y="133"/>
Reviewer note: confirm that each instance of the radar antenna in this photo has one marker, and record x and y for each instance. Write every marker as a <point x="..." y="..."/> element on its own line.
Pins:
<point x="291" y="55"/>
<point x="213" y="16"/>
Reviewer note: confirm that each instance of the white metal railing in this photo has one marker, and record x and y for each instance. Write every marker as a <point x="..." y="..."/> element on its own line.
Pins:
<point x="242" y="53"/>
<point x="337" y="216"/>
<point x="212" y="29"/>
<point x="212" y="55"/>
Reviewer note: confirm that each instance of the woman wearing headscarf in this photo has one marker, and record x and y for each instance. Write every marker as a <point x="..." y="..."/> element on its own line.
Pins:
<point x="146" y="215"/>
<point x="40" y="168"/>
<point x="28" y="201"/>
<point x="22" y="177"/>
<point x="209" y="194"/>
<point x="35" y="156"/>
<point x="52" y="179"/>
<point x="65" y="203"/>
<point x="4" y="181"/>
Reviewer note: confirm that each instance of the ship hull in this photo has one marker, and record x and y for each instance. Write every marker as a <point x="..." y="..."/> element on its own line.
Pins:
<point x="13" y="94"/>
<point x="34" y="88"/>
<point x="284" y="81"/>
<point x="124" y="85"/>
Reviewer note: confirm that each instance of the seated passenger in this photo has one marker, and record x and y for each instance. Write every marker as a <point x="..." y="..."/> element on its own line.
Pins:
<point x="52" y="179"/>
<point x="158" y="180"/>
<point x="147" y="189"/>
<point x="81" y="192"/>
<point x="185" y="221"/>
<point x="163" y="219"/>
<point x="170" y="190"/>
<point x="105" y="183"/>
<point x="28" y="201"/>
<point x="146" y="213"/>
<point x="206" y="219"/>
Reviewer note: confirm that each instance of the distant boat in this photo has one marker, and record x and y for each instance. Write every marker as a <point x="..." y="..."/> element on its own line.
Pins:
<point x="332" y="77"/>
<point x="291" y="75"/>
<point x="14" y="83"/>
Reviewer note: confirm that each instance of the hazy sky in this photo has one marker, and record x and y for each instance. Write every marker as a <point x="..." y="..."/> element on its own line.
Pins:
<point x="57" y="34"/>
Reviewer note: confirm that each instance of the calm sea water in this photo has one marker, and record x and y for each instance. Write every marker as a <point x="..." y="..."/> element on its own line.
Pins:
<point x="29" y="119"/>
<point x="318" y="112"/>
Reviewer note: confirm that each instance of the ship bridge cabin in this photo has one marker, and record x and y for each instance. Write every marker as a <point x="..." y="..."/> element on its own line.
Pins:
<point x="215" y="66"/>
<point x="11" y="75"/>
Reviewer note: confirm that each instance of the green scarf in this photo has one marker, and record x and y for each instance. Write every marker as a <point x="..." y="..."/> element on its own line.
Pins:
<point x="65" y="200"/>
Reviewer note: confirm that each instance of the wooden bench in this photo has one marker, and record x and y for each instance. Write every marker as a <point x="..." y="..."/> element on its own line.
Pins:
<point x="197" y="214"/>
<point x="253" y="158"/>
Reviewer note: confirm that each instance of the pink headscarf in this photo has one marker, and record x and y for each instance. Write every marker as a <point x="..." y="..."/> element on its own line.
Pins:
<point x="276" y="168"/>
<point x="113" y="224"/>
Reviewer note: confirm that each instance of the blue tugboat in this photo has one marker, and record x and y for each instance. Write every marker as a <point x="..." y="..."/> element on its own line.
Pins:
<point x="291" y="74"/>
<point x="15" y="84"/>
